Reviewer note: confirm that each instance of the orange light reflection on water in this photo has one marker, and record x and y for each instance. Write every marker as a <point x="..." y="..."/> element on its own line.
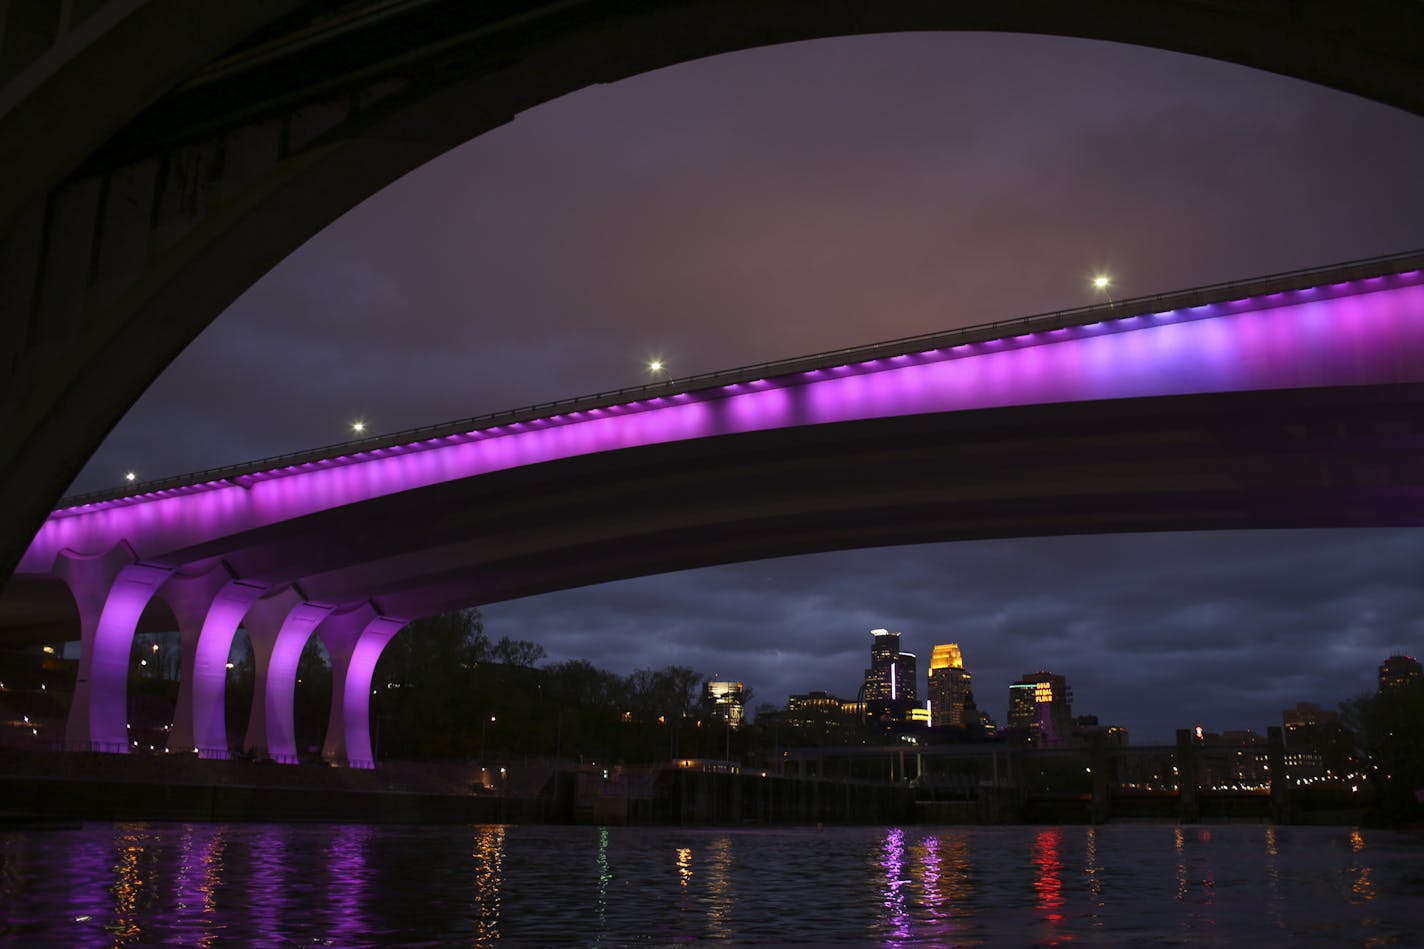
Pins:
<point x="489" y="881"/>
<point x="684" y="866"/>
<point x="127" y="889"/>
<point x="1362" y="889"/>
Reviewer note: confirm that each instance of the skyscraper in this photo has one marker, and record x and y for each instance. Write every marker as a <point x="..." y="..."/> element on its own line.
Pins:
<point x="1023" y="706"/>
<point x="1040" y="703"/>
<point x="890" y="691"/>
<point x="892" y="673"/>
<point x="726" y="700"/>
<point x="1317" y="745"/>
<point x="951" y="690"/>
<point x="1399" y="670"/>
<point x="907" y="677"/>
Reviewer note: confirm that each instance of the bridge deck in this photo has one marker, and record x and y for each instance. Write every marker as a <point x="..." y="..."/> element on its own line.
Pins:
<point x="414" y="439"/>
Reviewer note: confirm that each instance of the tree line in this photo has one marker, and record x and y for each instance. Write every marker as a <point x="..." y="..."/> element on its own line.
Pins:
<point x="444" y="689"/>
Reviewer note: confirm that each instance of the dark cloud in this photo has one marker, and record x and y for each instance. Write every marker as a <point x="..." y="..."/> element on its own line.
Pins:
<point x="1154" y="631"/>
<point x="788" y="200"/>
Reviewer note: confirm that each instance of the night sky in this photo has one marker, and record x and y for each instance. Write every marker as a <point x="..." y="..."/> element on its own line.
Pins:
<point x="783" y="201"/>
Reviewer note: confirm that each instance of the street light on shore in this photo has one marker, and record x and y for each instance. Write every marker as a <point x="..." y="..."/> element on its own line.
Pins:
<point x="484" y="734"/>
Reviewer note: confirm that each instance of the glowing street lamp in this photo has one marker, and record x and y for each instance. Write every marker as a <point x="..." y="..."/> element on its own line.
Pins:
<point x="656" y="367"/>
<point x="130" y="476"/>
<point x="484" y="734"/>
<point x="1103" y="282"/>
<point x="358" y="426"/>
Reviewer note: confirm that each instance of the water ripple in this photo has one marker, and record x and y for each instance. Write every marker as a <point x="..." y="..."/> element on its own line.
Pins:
<point x="354" y="886"/>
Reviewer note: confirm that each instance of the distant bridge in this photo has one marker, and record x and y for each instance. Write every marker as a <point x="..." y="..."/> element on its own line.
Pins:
<point x="1292" y="401"/>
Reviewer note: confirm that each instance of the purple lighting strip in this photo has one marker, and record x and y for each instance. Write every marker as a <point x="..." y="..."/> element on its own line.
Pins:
<point x="1369" y="331"/>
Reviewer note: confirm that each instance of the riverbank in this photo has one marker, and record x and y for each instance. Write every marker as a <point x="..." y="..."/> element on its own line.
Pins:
<point x="55" y="786"/>
<point x="39" y="786"/>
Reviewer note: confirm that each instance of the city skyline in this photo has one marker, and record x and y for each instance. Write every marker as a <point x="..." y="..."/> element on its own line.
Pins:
<point x="1049" y="695"/>
<point x="789" y="200"/>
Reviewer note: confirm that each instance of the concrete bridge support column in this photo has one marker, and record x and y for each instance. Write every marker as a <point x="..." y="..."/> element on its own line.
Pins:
<point x="353" y="641"/>
<point x="279" y="628"/>
<point x="111" y="592"/>
<point x="209" y="609"/>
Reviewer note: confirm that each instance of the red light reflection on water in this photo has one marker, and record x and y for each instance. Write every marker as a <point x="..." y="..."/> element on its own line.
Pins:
<point x="1049" y="884"/>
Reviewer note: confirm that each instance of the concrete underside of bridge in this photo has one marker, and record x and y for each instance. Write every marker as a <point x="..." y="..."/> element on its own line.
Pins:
<point x="156" y="164"/>
<point x="1270" y="459"/>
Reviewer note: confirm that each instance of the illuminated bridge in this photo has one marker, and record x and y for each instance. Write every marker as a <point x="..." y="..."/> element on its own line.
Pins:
<point x="1292" y="401"/>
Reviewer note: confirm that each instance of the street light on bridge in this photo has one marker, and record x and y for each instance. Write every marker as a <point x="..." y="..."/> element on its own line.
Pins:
<point x="1103" y="282"/>
<point x="358" y="426"/>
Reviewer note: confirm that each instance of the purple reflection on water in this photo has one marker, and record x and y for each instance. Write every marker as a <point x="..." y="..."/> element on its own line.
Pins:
<point x="134" y="885"/>
<point x="892" y="863"/>
<point x="929" y="879"/>
<point x="374" y="886"/>
<point x="1341" y="337"/>
<point x="269" y="893"/>
<point x="944" y="869"/>
<point x="348" y="882"/>
<point x="198" y="879"/>
<point x="88" y="869"/>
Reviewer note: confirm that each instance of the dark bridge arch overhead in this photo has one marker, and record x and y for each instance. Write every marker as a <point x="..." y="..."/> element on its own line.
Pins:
<point x="155" y="166"/>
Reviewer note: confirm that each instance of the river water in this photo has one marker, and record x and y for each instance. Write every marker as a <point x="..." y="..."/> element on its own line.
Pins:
<point x="350" y="885"/>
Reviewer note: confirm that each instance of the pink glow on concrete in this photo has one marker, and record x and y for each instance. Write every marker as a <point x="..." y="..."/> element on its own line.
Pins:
<point x="208" y="709"/>
<point x="88" y="580"/>
<point x="1349" y="336"/>
<point x="281" y="677"/>
<point x="108" y="670"/>
<point x="339" y="633"/>
<point x="191" y="597"/>
<point x="353" y="694"/>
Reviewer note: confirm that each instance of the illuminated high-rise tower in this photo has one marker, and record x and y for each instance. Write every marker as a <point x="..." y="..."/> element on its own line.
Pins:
<point x="1399" y="670"/>
<point x="892" y="673"/>
<point x="1041" y="703"/>
<point x="726" y="700"/>
<point x="951" y="688"/>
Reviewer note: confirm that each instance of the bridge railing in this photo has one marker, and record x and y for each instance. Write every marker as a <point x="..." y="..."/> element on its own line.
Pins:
<point x="105" y="747"/>
<point x="1058" y="319"/>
